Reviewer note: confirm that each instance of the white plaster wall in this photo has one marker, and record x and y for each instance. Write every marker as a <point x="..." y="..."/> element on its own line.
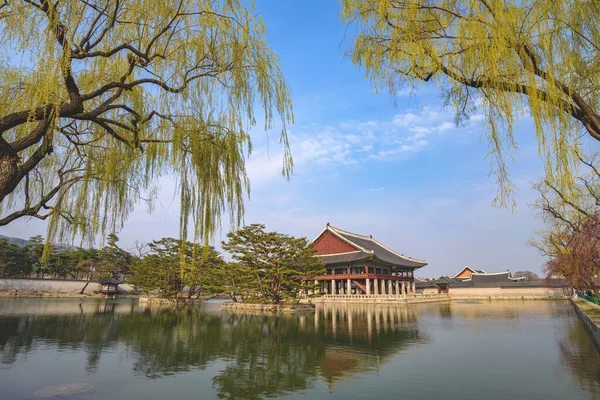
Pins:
<point x="427" y="291"/>
<point x="538" y="292"/>
<point x="63" y="306"/>
<point x="53" y="285"/>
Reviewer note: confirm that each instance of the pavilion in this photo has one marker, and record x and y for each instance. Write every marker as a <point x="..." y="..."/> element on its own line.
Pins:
<point x="358" y="264"/>
<point x="109" y="286"/>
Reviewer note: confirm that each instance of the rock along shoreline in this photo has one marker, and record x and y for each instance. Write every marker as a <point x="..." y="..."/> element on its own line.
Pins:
<point x="267" y="308"/>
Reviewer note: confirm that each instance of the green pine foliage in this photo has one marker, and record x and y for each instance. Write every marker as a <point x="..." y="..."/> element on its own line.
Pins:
<point x="42" y="260"/>
<point x="169" y="268"/>
<point x="275" y="267"/>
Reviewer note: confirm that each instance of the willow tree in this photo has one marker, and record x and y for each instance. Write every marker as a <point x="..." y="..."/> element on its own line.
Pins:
<point x="99" y="99"/>
<point x="505" y="59"/>
<point x="568" y="224"/>
<point x="564" y="217"/>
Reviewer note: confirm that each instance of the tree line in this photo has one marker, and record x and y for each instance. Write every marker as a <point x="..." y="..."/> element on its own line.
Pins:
<point x="266" y="266"/>
<point x="40" y="260"/>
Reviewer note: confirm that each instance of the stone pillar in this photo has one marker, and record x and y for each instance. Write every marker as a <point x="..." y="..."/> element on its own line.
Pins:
<point x="333" y="291"/>
<point x="349" y="287"/>
<point x="376" y="286"/>
<point x="403" y="288"/>
<point x="412" y="288"/>
<point x="368" y="284"/>
<point x="390" y="287"/>
<point x="316" y="291"/>
<point x="397" y="288"/>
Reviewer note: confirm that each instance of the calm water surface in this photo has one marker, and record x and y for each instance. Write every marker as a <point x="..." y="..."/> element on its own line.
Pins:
<point x="118" y="350"/>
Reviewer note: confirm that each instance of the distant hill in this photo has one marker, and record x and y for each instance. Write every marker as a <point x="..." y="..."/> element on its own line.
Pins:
<point x="18" y="241"/>
<point x="24" y="242"/>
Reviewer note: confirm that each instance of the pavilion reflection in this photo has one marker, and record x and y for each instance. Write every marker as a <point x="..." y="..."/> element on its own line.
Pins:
<point x="361" y="337"/>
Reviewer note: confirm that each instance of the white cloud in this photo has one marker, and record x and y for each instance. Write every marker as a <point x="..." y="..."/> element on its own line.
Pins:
<point x="446" y="126"/>
<point x="352" y="142"/>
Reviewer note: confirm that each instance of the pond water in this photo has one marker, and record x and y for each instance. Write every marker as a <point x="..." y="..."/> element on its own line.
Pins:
<point x="88" y="349"/>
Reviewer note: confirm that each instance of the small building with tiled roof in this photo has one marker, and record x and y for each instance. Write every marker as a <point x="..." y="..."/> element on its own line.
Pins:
<point x="358" y="264"/>
<point x="466" y="272"/>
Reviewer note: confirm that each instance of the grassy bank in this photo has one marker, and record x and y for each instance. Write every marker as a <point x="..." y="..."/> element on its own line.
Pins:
<point x="591" y="310"/>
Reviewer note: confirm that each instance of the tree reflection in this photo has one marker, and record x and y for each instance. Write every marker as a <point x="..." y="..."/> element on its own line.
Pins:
<point x="265" y="356"/>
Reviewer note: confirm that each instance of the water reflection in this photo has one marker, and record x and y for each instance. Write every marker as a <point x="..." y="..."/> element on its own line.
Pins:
<point x="262" y="355"/>
<point x="581" y="355"/>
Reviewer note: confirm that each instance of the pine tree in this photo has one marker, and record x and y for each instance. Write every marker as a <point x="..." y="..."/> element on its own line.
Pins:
<point x="169" y="267"/>
<point x="279" y="267"/>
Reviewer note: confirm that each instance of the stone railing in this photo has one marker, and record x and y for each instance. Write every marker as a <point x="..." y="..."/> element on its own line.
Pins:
<point x="382" y="298"/>
<point x="386" y="296"/>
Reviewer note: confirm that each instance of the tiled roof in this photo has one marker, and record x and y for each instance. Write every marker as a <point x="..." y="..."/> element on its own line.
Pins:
<point x="344" y="257"/>
<point x="503" y="281"/>
<point x="478" y="271"/>
<point x="499" y="277"/>
<point x="370" y="247"/>
<point x="109" y="281"/>
<point x="424" y="284"/>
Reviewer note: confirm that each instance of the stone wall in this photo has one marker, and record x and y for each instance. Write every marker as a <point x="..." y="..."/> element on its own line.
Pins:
<point x="169" y="301"/>
<point x="590" y="326"/>
<point x="10" y="286"/>
<point x="510" y="293"/>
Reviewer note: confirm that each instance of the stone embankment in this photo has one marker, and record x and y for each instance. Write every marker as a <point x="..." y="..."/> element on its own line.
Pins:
<point x="169" y="301"/>
<point x="496" y="294"/>
<point x="589" y="314"/>
<point x="267" y="308"/>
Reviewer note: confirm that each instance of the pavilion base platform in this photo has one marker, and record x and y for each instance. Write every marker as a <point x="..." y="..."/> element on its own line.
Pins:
<point x="381" y="298"/>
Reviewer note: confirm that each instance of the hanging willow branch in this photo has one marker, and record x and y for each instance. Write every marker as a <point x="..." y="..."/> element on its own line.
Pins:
<point x="99" y="99"/>
<point x="501" y="58"/>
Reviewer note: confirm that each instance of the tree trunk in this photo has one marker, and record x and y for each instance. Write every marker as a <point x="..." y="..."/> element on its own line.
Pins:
<point x="9" y="173"/>
<point x="86" y="285"/>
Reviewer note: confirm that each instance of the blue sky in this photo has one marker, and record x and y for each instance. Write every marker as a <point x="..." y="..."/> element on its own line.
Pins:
<point x="403" y="172"/>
